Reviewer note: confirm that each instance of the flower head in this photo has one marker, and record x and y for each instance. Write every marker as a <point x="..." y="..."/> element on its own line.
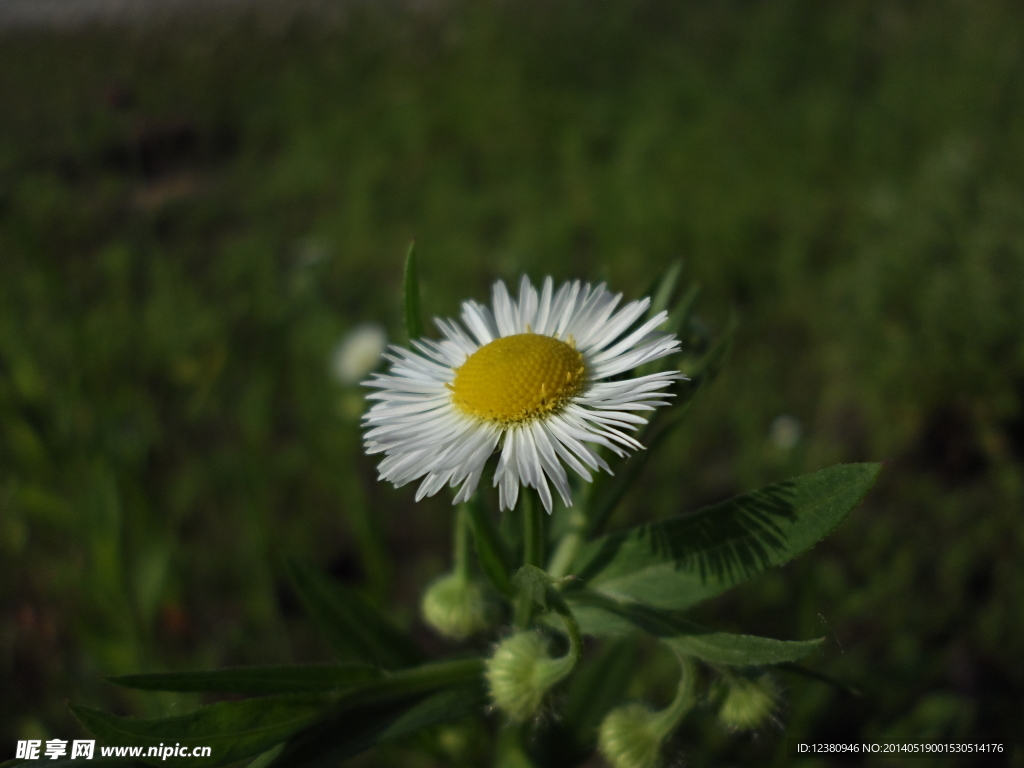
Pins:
<point x="520" y="673"/>
<point x="749" y="703"/>
<point x="629" y="737"/>
<point x="534" y="378"/>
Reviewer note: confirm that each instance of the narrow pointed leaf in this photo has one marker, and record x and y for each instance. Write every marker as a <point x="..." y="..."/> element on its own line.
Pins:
<point x="706" y="370"/>
<point x="413" y="312"/>
<point x="742" y="650"/>
<point x="682" y="312"/>
<point x="609" y="490"/>
<point x="355" y="629"/>
<point x="661" y="294"/>
<point x="679" y="562"/>
<point x="353" y="731"/>
<point x="256" y="680"/>
<point x="232" y="729"/>
<point x="598" y="614"/>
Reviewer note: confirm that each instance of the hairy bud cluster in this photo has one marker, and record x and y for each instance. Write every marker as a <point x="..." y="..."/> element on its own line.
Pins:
<point x="749" y="703"/>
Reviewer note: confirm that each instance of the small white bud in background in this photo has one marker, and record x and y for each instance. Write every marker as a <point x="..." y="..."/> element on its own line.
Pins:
<point x="785" y="432"/>
<point x="358" y="353"/>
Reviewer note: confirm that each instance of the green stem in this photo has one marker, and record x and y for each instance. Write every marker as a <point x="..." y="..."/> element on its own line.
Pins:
<point x="569" y="546"/>
<point x="533" y="530"/>
<point x="666" y="721"/>
<point x="461" y="546"/>
<point x="510" y="751"/>
<point x="559" y="669"/>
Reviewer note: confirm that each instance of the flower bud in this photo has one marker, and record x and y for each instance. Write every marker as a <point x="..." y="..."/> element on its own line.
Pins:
<point x="456" y="606"/>
<point x="520" y="672"/>
<point x="629" y="737"/>
<point x="748" y="703"/>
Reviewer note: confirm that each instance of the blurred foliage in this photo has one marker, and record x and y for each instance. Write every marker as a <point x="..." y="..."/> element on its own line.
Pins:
<point x="191" y="215"/>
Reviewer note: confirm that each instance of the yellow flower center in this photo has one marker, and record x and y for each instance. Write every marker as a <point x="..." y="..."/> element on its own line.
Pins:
<point x="517" y="378"/>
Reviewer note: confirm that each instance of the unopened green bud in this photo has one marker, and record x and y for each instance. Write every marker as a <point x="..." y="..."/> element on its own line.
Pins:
<point x="520" y="672"/>
<point x="456" y="606"/>
<point x="748" y="703"/>
<point x="630" y="737"/>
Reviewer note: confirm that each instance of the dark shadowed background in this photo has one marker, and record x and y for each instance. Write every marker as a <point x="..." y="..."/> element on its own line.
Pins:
<point x="196" y="206"/>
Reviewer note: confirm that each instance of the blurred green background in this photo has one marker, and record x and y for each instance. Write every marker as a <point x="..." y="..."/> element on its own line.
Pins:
<point x="192" y="214"/>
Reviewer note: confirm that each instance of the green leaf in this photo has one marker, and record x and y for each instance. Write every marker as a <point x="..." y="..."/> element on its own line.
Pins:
<point x="256" y="680"/>
<point x="741" y="650"/>
<point x="661" y="294"/>
<point x="413" y="312"/>
<point x="494" y="557"/>
<point x="352" y="731"/>
<point x="679" y="562"/>
<point x="681" y="314"/>
<point x="232" y="729"/>
<point x="598" y="614"/>
<point x="355" y="629"/>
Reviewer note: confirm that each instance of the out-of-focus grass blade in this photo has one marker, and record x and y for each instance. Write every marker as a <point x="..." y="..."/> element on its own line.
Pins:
<point x="355" y="629"/>
<point x="609" y="490"/>
<point x="256" y="680"/>
<point x="413" y="311"/>
<point x="495" y="559"/>
<point x="820" y="677"/>
<point x="681" y="314"/>
<point x="661" y="294"/>
<point x="710" y="365"/>
<point x="353" y="731"/>
<point x="231" y="729"/>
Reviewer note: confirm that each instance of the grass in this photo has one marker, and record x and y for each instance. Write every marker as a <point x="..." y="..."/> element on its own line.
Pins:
<point x="191" y="216"/>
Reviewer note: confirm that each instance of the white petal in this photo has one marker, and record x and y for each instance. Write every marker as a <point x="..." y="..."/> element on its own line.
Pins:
<point x="544" y="309"/>
<point x="503" y="310"/>
<point x="527" y="305"/>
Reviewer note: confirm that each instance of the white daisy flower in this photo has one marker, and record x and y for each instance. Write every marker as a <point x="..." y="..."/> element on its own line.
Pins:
<point x="533" y="377"/>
